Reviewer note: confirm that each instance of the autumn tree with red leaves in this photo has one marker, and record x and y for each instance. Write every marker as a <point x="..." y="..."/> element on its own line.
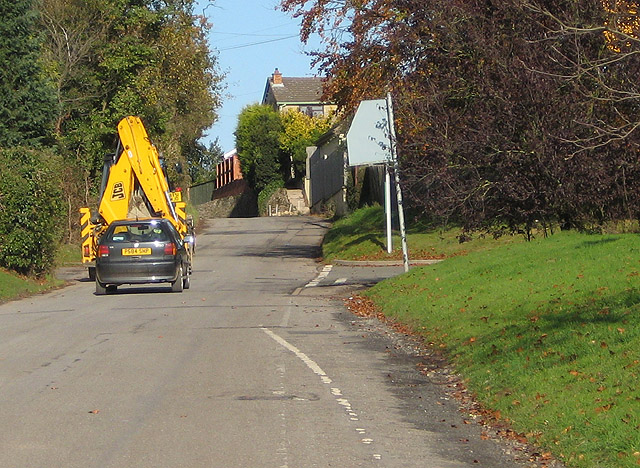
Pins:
<point x="510" y="114"/>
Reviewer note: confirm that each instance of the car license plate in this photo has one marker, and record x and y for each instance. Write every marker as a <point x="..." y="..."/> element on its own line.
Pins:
<point x="138" y="251"/>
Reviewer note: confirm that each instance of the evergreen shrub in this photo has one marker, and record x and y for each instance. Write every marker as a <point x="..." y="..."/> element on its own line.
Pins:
<point x="31" y="210"/>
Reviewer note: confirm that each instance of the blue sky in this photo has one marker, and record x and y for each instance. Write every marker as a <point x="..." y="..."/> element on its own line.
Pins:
<point x="252" y="39"/>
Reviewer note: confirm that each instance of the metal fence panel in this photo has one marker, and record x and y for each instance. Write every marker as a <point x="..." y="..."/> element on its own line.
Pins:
<point x="202" y="193"/>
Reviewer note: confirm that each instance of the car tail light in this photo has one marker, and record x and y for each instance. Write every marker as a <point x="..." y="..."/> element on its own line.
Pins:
<point x="170" y="249"/>
<point x="103" y="250"/>
<point x="85" y="251"/>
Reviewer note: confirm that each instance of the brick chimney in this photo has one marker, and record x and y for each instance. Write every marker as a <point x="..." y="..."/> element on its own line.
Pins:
<point x="276" y="78"/>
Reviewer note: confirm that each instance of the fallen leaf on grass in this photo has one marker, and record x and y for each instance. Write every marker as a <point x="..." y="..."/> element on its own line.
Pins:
<point x="604" y="408"/>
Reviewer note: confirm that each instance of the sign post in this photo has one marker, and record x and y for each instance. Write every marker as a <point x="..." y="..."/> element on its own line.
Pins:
<point x="387" y="206"/>
<point x="396" y="171"/>
<point x="371" y="139"/>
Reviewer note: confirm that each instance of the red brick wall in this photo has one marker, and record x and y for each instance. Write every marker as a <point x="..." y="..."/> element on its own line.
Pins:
<point x="227" y="171"/>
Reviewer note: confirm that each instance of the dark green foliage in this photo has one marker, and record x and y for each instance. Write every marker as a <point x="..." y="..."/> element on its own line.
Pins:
<point x="27" y="101"/>
<point x="267" y="169"/>
<point x="202" y="161"/>
<point x="71" y="69"/>
<point x="266" y="193"/>
<point x="113" y="58"/>
<point x="258" y="145"/>
<point x="31" y="210"/>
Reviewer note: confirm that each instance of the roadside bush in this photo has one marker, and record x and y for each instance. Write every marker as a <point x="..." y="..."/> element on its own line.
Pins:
<point x="257" y="140"/>
<point x="31" y="210"/>
<point x="265" y="195"/>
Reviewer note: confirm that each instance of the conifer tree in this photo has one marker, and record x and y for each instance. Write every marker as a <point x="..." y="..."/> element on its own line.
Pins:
<point x="27" y="102"/>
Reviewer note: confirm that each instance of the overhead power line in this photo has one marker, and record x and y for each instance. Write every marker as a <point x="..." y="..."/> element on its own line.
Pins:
<point x="250" y="44"/>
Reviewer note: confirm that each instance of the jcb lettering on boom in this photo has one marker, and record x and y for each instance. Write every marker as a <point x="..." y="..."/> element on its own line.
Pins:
<point x="118" y="191"/>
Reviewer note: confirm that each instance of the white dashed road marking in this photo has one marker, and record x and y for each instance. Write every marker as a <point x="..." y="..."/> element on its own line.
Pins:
<point x="322" y="275"/>
<point x="311" y="364"/>
<point x="336" y="392"/>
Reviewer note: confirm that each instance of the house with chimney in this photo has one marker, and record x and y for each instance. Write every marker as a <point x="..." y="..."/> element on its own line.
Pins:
<point x="303" y="94"/>
<point x="326" y="176"/>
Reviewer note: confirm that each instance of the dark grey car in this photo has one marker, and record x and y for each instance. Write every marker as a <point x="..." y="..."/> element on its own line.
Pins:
<point x="142" y="251"/>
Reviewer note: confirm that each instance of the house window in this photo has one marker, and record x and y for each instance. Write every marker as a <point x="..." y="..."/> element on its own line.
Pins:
<point x="313" y="111"/>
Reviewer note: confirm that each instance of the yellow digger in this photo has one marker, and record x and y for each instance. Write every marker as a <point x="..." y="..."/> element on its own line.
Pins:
<point x="134" y="186"/>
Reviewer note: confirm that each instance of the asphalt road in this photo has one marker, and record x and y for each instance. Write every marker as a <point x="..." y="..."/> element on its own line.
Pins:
<point x="259" y="364"/>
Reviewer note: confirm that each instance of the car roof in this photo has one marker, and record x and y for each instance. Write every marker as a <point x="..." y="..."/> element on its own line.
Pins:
<point x="139" y="220"/>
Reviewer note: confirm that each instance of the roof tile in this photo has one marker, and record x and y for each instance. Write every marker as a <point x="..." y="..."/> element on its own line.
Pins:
<point x="300" y="90"/>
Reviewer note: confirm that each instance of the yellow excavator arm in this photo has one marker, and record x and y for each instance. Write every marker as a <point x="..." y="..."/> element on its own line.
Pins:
<point x="134" y="186"/>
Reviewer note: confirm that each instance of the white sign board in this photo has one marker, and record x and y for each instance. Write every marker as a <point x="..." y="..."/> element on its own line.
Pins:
<point x="368" y="137"/>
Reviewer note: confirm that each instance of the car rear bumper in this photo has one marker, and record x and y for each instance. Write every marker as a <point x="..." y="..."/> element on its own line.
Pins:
<point x="151" y="272"/>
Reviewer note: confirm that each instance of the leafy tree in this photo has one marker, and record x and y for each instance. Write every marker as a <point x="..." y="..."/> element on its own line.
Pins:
<point x="595" y="49"/>
<point x="508" y="113"/>
<point x="357" y="36"/>
<point x="258" y="144"/>
<point x="113" y="58"/>
<point x="27" y="102"/>
<point x="300" y="130"/>
<point x="202" y="161"/>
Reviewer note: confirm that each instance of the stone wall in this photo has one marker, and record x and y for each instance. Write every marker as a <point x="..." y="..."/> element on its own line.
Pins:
<point x="243" y="205"/>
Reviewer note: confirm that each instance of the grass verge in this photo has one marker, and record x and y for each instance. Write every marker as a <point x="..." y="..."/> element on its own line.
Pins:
<point x="14" y="286"/>
<point x="362" y="236"/>
<point x="546" y="333"/>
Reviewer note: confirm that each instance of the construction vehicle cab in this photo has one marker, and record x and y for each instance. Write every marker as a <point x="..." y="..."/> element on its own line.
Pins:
<point x="134" y="185"/>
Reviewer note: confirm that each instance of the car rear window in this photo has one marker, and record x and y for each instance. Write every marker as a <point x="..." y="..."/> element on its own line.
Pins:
<point x="140" y="232"/>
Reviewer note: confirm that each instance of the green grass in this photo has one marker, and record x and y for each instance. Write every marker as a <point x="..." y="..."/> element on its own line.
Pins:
<point x="68" y="254"/>
<point x="362" y="236"/>
<point x="547" y="333"/>
<point x="194" y="213"/>
<point x="14" y="286"/>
